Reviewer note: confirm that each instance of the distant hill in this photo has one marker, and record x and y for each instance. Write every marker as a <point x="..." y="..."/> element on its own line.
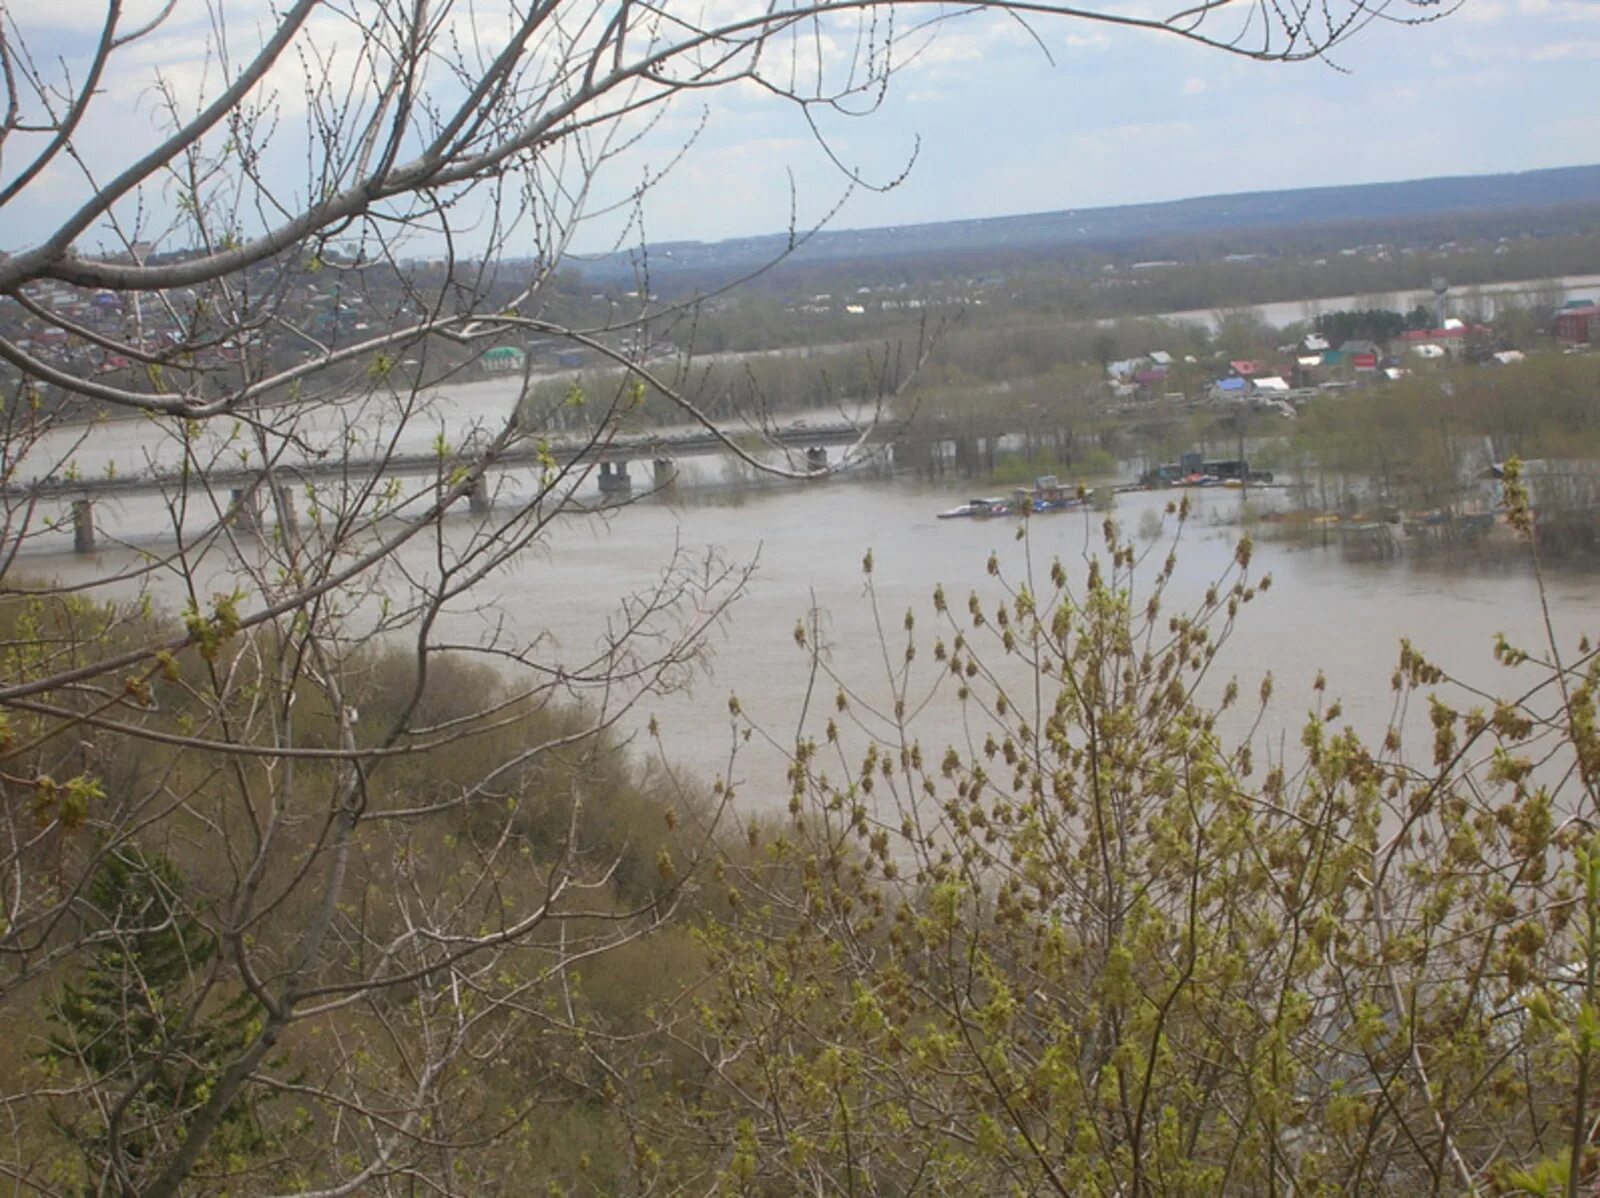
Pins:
<point x="1129" y="225"/>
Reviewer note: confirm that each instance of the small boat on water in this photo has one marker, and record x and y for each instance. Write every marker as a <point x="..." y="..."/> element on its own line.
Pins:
<point x="1046" y="495"/>
<point x="978" y="509"/>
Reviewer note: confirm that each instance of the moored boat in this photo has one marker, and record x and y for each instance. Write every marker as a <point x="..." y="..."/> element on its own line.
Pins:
<point x="1050" y="495"/>
<point x="978" y="509"/>
<point x="1046" y="495"/>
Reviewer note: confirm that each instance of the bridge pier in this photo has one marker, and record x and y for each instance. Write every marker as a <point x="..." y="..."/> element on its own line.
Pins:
<point x="244" y="510"/>
<point x="288" y="518"/>
<point x="664" y="473"/>
<point x="817" y="459"/>
<point x="82" y="526"/>
<point x="966" y="452"/>
<point x="922" y="457"/>
<point x="478" y="501"/>
<point x="974" y="454"/>
<point x="614" y="478"/>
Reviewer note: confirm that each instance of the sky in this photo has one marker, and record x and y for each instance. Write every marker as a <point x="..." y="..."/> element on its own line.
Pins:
<point x="1125" y="117"/>
<point x="994" y="118"/>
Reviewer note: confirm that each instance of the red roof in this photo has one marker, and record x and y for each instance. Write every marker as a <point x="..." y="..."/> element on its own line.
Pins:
<point x="1245" y="368"/>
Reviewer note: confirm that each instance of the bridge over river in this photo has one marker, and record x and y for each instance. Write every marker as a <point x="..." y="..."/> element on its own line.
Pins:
<point x="245" y="483"/>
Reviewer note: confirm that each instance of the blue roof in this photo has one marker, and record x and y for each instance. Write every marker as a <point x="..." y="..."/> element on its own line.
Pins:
<point x="1230" y="384"/>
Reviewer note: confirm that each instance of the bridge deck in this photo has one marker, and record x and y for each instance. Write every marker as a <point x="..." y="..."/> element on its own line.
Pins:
<point x="529" y="452"/>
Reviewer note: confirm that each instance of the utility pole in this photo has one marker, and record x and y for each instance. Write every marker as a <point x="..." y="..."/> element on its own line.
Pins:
<point x="1244" y="465"/>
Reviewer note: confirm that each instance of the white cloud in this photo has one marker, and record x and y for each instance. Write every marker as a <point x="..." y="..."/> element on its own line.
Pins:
<point x="78" y="16"/>
<point x="1146" y="134"/>
<point x="949" y="49"/>
<point x="1566" y="51"/>
<point x="1195" y="85"/>
<point x="1483" y="12"/>
<point x="977" y="39"/>
<point x="1561" y="10"/>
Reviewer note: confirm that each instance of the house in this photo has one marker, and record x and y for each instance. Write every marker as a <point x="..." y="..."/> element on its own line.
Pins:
<point x="1305" y="370"/>
<point x="1151" y="381"/>
<point x="1361" y="355"/>
<point x="1579" y="324"/>
<point x="503" y="359"/>
<point x="1244" y="368"/>
<point x="1271" y="385"/>
<point x="1453" y="338"/>
<point x="1230" y="388"/>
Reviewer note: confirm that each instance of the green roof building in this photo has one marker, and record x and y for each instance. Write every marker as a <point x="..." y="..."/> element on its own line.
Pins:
<point x="502" y="358"/>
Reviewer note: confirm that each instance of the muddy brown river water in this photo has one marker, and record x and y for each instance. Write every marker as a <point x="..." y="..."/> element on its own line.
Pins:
<point x="808" y="541"/>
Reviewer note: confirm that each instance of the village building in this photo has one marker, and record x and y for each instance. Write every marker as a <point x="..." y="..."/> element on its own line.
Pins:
<point x="503" y="359"/>
<point x="1451" y="340"/>
<point x="1579" y="323"/>
<point x="1359" y="355"/>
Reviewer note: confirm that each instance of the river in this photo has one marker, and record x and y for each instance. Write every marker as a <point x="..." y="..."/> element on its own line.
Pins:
<point x="1322" y="612"/>
<point x="1474" y="302"/>
<point x="808" y="541"/>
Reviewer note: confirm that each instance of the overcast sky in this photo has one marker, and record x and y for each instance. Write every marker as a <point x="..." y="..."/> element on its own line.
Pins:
<point x="1117" y="117"/>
